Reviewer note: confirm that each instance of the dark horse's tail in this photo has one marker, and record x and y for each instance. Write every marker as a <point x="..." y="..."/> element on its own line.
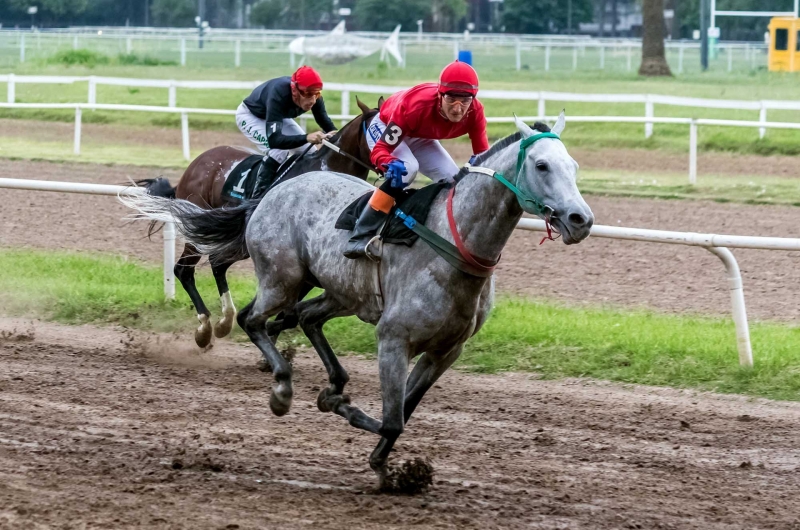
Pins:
<point x="218" y="233"/>
<point x="157" y="187"/>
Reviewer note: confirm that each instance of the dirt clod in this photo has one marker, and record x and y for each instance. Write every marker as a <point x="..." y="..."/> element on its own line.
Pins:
<point x="409" y="477"/>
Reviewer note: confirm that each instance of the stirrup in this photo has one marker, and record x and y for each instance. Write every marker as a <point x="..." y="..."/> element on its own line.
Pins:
<point x="374" y="257"/>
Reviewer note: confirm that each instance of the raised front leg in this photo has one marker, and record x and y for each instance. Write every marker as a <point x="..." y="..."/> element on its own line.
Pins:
<point x="184" y="271"/>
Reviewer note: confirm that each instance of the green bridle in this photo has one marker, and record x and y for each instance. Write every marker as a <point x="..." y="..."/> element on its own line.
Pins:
<point x="527" y="201"/>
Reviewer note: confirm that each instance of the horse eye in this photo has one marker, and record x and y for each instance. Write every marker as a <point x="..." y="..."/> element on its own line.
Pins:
<point x="542" y="166"/>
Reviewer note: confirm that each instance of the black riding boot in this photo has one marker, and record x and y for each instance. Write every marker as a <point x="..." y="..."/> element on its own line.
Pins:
<point x="367" y="226"/>
<point x="266" y="174"/>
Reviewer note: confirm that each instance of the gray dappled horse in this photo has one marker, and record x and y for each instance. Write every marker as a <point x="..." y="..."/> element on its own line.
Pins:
<point x="429" y="307"/>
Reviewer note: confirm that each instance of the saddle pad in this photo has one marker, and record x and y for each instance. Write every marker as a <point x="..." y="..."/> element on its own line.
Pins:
<point x="239" y="184"/>
<point x="416" y="203"/>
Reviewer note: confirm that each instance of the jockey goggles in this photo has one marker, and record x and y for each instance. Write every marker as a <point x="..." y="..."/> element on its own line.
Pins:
<point x="462" y="99"/>
<point x="307" y="92"/>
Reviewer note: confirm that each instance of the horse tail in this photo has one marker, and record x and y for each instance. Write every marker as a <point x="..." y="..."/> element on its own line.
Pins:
<point x="157" y="187"/>
<point x="218" y="233"/>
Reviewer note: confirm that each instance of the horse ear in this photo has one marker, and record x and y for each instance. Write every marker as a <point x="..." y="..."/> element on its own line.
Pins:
<point x="380" y="102"/>
<point x="523" y="127"/>
<point x="561" y="122"/>
<point x="362" y="106"/>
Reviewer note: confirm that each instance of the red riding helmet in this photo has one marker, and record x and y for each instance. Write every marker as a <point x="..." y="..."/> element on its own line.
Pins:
<point x="458" y="77"/>
<point x="307" y="79"/>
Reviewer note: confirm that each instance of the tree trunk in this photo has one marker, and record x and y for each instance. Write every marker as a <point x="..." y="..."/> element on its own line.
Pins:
<point x="654" y="61"/>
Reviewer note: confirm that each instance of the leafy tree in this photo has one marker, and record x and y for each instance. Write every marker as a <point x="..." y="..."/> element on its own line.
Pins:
<point x="52" y="9"/>
<point x="543" y="16"/>
<point x="292" y="14"/>
<point x="174" y="12"/>
<point x="446" y="14"/>
<point x="384" y="15"/>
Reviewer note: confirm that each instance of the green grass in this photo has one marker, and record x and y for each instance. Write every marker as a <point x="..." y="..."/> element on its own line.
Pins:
<point x="540" y="336"/>
<point x="496" y="67"/>
<point x="721" y="188"/>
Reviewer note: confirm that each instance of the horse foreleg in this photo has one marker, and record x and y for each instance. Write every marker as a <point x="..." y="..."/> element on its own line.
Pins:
<point x="184" y="271"/>
<point x="393" y="355"/>
<point x="224" y="326"/>
<point x="283" y="321"/>
<point x="426" y="372"/>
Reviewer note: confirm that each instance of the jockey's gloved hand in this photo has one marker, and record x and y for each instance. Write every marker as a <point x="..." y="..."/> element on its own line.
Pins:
<point x="394" y="172"/>
<point x="472" y="159"/>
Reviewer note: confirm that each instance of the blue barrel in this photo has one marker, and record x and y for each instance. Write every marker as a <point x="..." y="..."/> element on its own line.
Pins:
<point x="465" y="56"/>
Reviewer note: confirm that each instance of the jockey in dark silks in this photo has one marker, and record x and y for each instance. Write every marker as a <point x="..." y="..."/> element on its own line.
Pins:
<point x="404" y="138"/>
<point x="266" y="118"/>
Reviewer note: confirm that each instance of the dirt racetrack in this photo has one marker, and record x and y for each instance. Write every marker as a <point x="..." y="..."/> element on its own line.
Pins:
<point x="101" y="429"/>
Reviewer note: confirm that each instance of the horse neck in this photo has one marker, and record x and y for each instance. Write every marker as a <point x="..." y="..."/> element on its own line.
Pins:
<point x="486" y="212"/>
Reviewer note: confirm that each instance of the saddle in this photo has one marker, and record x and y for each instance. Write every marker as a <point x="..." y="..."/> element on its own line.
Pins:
<point x="241" y="182"/>
<point x="414" y="202"/>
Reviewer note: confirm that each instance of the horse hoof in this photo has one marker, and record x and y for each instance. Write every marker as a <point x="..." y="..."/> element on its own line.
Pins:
<point x="329" y="400"/>
<point x="202" y="335"/>
<point x="281" y="399"/>
<point x="264" y="366"/>
<point x="223" y="327"/>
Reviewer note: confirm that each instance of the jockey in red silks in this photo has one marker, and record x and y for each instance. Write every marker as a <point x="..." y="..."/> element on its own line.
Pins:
<point x="266" y="118"/>
<point x="404" y="139"/>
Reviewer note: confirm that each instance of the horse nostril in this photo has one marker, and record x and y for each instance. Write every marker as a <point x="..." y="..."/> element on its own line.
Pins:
<point x="576" y="219"/>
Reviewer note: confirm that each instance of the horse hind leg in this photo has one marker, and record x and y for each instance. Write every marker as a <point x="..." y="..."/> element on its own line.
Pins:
<point x="224" y="326"/>
<point x="184" y="271"/>
<point x="312" y="315"/>
<point x="252" y="319"/>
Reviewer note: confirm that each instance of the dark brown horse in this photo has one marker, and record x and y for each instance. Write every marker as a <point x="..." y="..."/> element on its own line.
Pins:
<point x="202" y="184"/>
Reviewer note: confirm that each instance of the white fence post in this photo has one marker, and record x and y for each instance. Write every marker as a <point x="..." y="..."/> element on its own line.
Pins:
<point x="185" y="135"/>
<point x="169" y="260"/>
<point x="237" y="61"/>
<point x="762" y="117"/>
<point x="291" y="60"/>
<point x="680" y="60"/>
<point x="12" y="89"/>
<point x="737" y="301"/>
<point x="602" y="57"/>
<point x="92" y="90"/>
<point x="693" y="152"/>
<point x="75" y="42"/>
<point x="730" y="59"/>
<point x="304" y="123"/>
<point x="77" y="146"/>
<point x="542" y="105"/>
<point x="630" y="56"/>
<point x="183" y="52"/>
<point x="128" y="46"/>
<point x="173" y="95"/>
<point x="575" y="58"/>
<point x="648" y="113"/>
<point x="518" y="55"/>
<point x="345" y="105"/>
<point x="22" y="48"/>
<point x="455" y="50"/>
<point x="547" y="58"/>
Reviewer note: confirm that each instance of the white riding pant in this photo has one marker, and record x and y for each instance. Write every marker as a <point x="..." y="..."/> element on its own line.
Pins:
<point x="419" y="154"/>
<point x="255" y="129"/>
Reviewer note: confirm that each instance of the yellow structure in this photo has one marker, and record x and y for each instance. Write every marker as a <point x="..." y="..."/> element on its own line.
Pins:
<point x="784" y="44"/>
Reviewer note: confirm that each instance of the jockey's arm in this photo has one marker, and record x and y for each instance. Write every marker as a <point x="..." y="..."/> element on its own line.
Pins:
<point x="396" y="129"/>
<point x="321" y="116"/>
<point x="277" y="140"/>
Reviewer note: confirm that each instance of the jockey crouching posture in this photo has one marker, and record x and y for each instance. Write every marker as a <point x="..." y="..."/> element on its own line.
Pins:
<point x="266" y="118"/>
<point x="404" y="139"/>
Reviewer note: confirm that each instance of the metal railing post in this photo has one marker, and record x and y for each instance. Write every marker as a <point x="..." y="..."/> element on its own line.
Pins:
<point x="77" y="145"/>
<point x="693" y="152"/>
<point x="185" y="136"/>
<point x="169" y="260"/>
<point x="737" y="301"/>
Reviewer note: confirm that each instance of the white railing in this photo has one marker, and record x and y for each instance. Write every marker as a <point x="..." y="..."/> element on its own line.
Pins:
<point x="184" y="112"/>
<point x="718" y="245"/>
<point x="346" y="89"/>
<point x="105" y="189"/>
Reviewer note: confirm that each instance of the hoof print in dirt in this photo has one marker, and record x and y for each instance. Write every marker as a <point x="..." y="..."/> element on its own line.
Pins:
<point x="409" y="477"/>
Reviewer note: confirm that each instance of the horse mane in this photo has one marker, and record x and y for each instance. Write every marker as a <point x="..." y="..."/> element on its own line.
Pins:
<point x="499" y="146"/>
